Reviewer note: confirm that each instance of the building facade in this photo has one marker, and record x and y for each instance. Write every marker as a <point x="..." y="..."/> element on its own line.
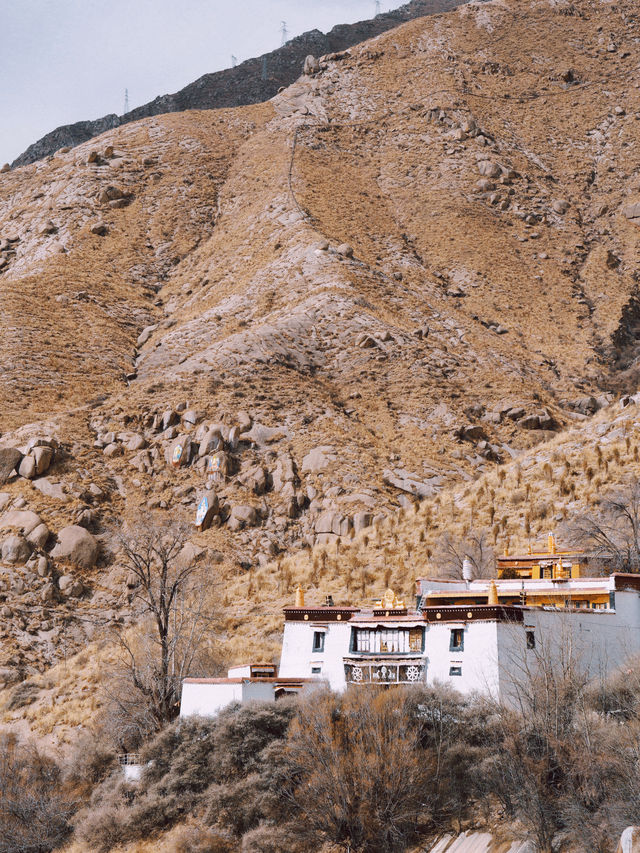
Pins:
<point x="481" y="635"/>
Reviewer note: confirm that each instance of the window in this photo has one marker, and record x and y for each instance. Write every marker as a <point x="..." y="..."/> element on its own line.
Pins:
<point x="400" y="641"/>
<point x="456" y="643"/>
<point x="455" y="669"/>
<point x="316" y="670"/>
<point x="318" y="641"/>
<point x="531" y="640"/>
<point x="415" y="639"/>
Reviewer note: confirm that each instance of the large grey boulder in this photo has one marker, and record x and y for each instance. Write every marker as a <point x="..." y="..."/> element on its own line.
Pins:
<point x="43" y="456"/>
<point x="51" y="490"/>
<point x="311" y="65"/>
<point x="178" y="454"/>
<point x="632" y="211"/>
<point x="16" y="550"/>
<point x="208" y="508"/>
<point x="489" y="169"/>
<point x="38" y="536"/>
<point x="317" y="460"/>
<point x="27" y="467"/>
<point x="76" y="545"/>
<point x="23" y="520"/>
<point x="10" y="458"/>
<point x="243" y="516"/>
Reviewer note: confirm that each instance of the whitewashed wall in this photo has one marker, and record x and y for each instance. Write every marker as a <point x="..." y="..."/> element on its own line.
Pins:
<point x="206" y="700"/>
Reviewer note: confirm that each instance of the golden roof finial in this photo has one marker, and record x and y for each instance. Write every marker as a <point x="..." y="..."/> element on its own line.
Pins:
<point x="551" y="543"/>
<point x="299" y="597"/>
<point x="492" y="598"/>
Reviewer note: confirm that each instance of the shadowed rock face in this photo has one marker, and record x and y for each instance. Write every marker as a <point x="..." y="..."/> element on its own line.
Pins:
<point x="250" y="82"/>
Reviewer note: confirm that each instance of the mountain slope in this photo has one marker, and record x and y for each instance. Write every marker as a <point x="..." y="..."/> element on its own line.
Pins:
<point x="395" y="277"/>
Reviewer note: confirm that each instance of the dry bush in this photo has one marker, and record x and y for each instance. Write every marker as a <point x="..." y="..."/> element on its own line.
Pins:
<point x="200" y="839"/>
<point x="36" y="806"/>
<point x="357" y="774"/>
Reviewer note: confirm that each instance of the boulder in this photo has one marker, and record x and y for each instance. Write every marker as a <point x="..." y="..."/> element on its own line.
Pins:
<point x="211" y="442"/>
<point x="10" y="458"/>
<point x="255" y="479"/>
<point x="629" y="840"/>
<point x="51" y="490"/>
<point x="260" y="434"/>
<point x="112" y="449"/>
<point x="529" y="422"/>
<point x="191" y="417"/>
<point x="43" y="455"/>
<point x="190" y="553"/>
<point x="136" y="442"/>
<point x="411" y="483"/>
<point x="244" y="420"/>
<point x="27" y="467"/>
<point x="234" y="437"/>
<point x="284" y="472"/>
<point x="100" y="229"/>
<point x="587" y="405"/>
<point x="470" y="432"/>
<point x="311" y="65"/>
<point x="632" y="211"/>
<point x="145" y="334"/>
<point x="77" y="546"/>
<point x="489" y="169"/>
<point x="47" y="593"/>
<point x="243" y="516"/>
<point x="68" y="585"/>
<point x="345" y="250"/>
<point x="16" y="550"/>
<point x="179" y="452"/>
<point x="317" y="460"/>
<point x="38" y="536"/>
<point x="23" y="520"/>
<point x="110" y="193"/>
<point x="560" y="205"/>
<point x="361" y="520"/>
<point x="217" y="465"/>
<point x="208" y="508"/>
<point x="365" y="341"/>
<point x="485" y="185"/>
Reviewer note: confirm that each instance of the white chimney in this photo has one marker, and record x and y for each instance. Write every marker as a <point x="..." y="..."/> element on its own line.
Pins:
<point x="467" y="569"/>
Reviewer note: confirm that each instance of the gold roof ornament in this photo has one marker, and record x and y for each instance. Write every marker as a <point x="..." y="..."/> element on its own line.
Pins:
<point x="551" y="543"/>
<point x="299" y="597"/>
<point x="492" y="598"/>
<point x="390" y="601"/>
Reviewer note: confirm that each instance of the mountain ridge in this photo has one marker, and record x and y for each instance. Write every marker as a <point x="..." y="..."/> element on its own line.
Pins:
<point x="250" y="82"/>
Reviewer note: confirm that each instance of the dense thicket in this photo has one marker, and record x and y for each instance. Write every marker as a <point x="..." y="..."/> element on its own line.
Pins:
<point x="375" y="770"/>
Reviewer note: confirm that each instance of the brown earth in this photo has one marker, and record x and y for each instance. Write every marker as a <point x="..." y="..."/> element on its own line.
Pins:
<point x="445" y="355"/>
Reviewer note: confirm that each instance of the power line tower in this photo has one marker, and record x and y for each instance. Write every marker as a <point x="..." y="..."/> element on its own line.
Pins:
<point x="126" y="102"/>
<point x="284" y="32"/>
<point x="377" y="7"/>
<point x="234" y="61"/>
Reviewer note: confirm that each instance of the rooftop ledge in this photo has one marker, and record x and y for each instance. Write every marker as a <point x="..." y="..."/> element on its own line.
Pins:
<point x="474" y="612"/>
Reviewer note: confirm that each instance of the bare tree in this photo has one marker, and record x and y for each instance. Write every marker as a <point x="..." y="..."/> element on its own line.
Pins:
<point x="613" y="533"/>
<point x="174" y="630"/>
<point x="451" y="552"/>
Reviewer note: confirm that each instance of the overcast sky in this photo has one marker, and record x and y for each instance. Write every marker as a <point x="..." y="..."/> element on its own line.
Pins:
<point x="62" y="61"/>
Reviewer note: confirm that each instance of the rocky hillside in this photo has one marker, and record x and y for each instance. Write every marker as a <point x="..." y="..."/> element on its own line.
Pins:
<point x="409" y="276"/>
<point x="248" y="83"/>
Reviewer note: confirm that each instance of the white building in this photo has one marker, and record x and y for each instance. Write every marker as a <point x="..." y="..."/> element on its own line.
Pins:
<point x="474" y="635"/>
<point x="258" y="682"/>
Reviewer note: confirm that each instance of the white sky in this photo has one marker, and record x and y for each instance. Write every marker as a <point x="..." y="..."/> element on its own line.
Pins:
<point x="63" y="61"/>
